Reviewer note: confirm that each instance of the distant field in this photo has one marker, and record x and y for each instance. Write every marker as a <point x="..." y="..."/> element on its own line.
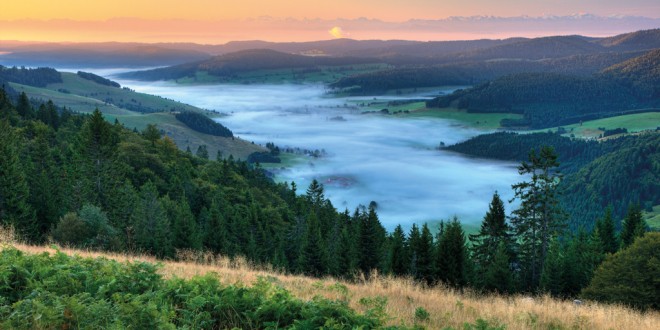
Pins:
<point x="653" y="218"/>
<point x="486" y="121"/>
<point x="324" y="74"/>
<point x="633" y="123"/>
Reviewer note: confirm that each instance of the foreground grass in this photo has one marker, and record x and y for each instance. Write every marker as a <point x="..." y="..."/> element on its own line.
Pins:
<point x="445" y="307"/>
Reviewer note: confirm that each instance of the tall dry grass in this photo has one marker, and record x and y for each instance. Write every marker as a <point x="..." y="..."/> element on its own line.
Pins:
<point x="446" y="307"/>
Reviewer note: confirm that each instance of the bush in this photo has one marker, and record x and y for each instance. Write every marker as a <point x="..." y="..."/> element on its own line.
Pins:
<point x="630" y="276"/>
<point x="62" y="292"/>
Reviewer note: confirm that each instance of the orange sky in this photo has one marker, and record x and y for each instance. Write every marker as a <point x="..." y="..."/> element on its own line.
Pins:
<point x="224" y="20"/>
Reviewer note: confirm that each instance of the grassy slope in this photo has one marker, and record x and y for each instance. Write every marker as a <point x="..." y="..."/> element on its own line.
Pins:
<point x="653" y="218"/>
<point x="634" y="123"/>
<point x="85" y="96"/>
<point x="486" y="121"/>
<point x="446" y="307"/>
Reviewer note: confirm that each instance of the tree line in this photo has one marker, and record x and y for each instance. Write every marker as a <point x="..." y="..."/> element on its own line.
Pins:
<point x="89" y="183"/>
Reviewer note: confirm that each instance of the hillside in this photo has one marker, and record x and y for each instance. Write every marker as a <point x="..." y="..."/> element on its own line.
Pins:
<point x="133" y="109"/>
<point x="98" y="55"/>
<point x="639" y="40"/>
<point x="613" y="172"/>
<point x="642" y="74"/>
<point x="398" y="301"/>
<point x="241" y="62"/>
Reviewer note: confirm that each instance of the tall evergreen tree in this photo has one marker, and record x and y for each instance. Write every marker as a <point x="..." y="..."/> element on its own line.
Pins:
<point x="413" y="241"/>
<point x="152" y="226"/>
<point x="633" y="225"/>
<point x="497" y="276"/>
<point x="372" y="235"/>
<point x="606" y="232"/>
<point x="493" y="232"/>
<point x="451" y="254"/>
<point x="15" y="209"/>
<point x="424" y="256"/>
<point x="552" y="276"/>
<point x="23" y="106"/>
<point x="538" y="218"/>
<point x="400" y="256"/>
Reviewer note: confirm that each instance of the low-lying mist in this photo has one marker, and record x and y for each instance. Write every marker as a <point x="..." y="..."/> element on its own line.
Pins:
<point x="393" y="161"/>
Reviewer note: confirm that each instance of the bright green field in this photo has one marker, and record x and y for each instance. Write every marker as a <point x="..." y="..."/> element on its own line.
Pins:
<point x="633" y="123"/>
<point x="325" y="74"/>
<point x="653" y="218"/>
<point x="485" y="121"/>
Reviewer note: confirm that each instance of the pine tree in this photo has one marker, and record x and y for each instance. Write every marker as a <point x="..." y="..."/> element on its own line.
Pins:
<point x="539" y="217"/>
<point x="633" y="225"/>
<point x="553" y="270"/>
<point x="498" y="276"/>
<point x="400" y="256"/>
<point x="151" y="133"/>
<point x="424" y="252"/>
<point x="413" y="241"/>
<point x="606" y="232"/>
<point x="23" y="106"/>
<point x="185" y="231"/>
<point x="202" y="152"/>
<point x="451" y="254"/>
<point x="313" y="258"/>
<point x="15" y="209"/>
<point x="44" y="180"/>
<point x="372" y="235"/>
<point x="493" y="232"/>
<point x="152" y="226"/>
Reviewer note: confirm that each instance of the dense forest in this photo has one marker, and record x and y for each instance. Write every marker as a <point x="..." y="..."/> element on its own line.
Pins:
<point x="615" y="172"/>
<point x="550" y="99"/>
<point x="473" y="72"/>
<point x="88" y="183"/>
<point x="203" y="124"/>
<point x="39" y="77"/>
<point x="98" y="79"/>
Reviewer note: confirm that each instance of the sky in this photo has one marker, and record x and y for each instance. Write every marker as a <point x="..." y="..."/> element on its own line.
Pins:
<point x="214" y="21"/>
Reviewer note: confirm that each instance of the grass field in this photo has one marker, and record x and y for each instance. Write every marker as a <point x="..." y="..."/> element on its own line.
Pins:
<point x="324" y="74"/>
<point x="445" y="307"/>
<point x="485" y="121"/>
<point x="653" y="218"/>
<point x="633" y="123"/>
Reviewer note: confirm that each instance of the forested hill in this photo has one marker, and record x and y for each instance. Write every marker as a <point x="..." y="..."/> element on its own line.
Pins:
<point x="548" y="100"/>
<point x="642" y="74"/>
<point x="245" y="61"/>
<point x="614" y="172"/>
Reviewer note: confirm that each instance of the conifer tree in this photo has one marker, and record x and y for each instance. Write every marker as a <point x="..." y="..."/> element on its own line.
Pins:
<point x="372" y="235"/>
<point x="413" y="241"/>
<point x="400" y="257"/>
<point x="451" y="254"/>
<point x="553" y="270"/>
<point x="15" y="209"/>
<point x="633" y="225"/>
<point x="498" y="276"/>
<point x="424" y="252"/>
<point x="23" y="106"/>
<point x="493" y="232"/>
<point x="539" y="217"/>
<point x="606" y="232"/>
<point x="152" y="226"/>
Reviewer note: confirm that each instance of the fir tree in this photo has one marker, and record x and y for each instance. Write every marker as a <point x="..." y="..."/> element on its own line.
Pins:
<point x="498" y="276"/>
<point x="400" y="258"/>
<point x="633" y="225"/>
<point x="15" y="209"/>
<point x="493" y="232"/>
<point x="606" y="232"/>
<point x="553" y="270"/>
<point x="372" y="235"/>
<point x="451" y="254"/>
<point x="539" y="217"/>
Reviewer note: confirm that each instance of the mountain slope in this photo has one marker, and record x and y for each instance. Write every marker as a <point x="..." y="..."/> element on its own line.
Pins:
<point x="641" y="73"/>
<point x="231" y="64"/>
